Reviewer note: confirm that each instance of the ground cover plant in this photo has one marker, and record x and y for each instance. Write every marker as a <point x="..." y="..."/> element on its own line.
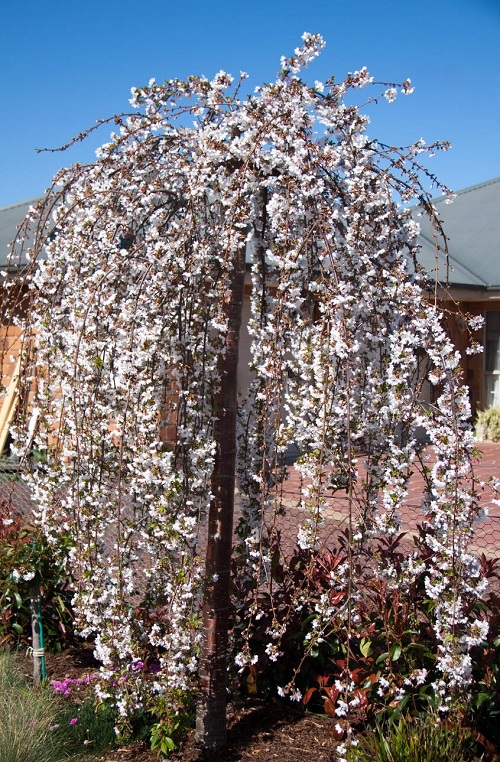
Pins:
<point x="421" y="739"/>
<point x="136" y="282"/>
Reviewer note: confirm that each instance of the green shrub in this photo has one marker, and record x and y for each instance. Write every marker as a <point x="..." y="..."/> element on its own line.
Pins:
<point x="23" y="552"/>
<point x="423" y="738"/>
<point x="175" y="717"/>
<point x="488" y="424"/>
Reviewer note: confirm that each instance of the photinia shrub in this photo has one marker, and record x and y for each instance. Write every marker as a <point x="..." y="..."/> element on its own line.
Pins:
<point x="24" y="554"/>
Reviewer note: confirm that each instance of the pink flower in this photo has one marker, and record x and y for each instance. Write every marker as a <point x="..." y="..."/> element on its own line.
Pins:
<point x="73" y="721"/>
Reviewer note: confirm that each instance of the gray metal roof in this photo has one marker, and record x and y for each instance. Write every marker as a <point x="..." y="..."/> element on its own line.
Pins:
<point x="471" y="223"/>
<point x="10" y="219"/>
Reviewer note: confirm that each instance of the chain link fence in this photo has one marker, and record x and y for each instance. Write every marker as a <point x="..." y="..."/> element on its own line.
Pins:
<point x="15" y="494"/>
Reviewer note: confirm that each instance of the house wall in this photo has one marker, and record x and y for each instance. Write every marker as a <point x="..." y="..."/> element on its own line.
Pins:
<point x="473" y="365"/>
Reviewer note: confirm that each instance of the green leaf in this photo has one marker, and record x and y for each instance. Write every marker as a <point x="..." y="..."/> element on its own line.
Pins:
<point x="418" y="647"/>
<point x="365" y="647"/>
<point x="481" y="698"/>
<point x="17" y="627"/>
<point x="167" y="745"/>
<point x="395" y="651"/>
<point x="18" y="599"/>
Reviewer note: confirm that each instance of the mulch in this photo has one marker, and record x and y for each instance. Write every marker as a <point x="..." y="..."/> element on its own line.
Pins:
<point x="269" y="733"/>
<point x="264" y="733"/>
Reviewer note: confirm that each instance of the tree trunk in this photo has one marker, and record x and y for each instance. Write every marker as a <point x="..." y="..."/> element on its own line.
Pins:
<point x="211" y="730"/>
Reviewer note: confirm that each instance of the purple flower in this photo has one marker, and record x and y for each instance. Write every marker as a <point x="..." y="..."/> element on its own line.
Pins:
<point x="64" y="686"/>
<point x="73" y="721"/>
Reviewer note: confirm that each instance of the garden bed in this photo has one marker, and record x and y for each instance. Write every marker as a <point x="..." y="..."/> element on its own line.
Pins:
<point x="257" y="730"/>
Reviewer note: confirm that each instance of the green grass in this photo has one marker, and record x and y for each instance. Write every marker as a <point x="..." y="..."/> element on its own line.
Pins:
<point x="28" y="718"/>
<point x="94" y="730"/>
<point x="35" y="725"/>
<point x="419" y="739"/>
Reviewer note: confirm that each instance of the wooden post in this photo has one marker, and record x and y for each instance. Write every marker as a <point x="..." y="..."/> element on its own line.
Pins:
<point x="9" y="405"/>
<point x="37" y="632"/>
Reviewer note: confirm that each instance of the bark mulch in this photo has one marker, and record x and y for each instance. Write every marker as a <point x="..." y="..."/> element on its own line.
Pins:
<point x="264" y="733"/>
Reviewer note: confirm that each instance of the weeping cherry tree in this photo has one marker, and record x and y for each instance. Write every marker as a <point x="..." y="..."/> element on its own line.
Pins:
<point x="136" y="283"/>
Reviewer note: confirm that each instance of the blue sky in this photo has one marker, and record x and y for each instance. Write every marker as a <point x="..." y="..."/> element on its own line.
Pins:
<point x="63" y="65"/>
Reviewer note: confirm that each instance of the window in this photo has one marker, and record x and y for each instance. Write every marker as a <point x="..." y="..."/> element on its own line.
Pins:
<point x="492" y="359"/>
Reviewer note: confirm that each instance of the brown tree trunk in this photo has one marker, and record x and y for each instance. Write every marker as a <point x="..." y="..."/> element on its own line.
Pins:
<point x="211" y="730"/>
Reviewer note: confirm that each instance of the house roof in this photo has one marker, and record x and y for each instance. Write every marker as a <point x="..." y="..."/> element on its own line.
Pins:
<point x="471" y="223"/>
<point x="10" y="218"/>
<point x="472" y="226"/>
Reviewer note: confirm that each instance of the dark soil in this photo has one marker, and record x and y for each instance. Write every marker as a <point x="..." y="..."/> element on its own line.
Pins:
<point x="256" y="730"/>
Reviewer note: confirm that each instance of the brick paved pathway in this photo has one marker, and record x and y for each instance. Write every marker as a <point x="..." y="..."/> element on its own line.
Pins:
<point x="487" y="535"/>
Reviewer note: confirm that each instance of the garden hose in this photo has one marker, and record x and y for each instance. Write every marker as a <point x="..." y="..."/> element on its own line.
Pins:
<point x="40" y="652"/>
